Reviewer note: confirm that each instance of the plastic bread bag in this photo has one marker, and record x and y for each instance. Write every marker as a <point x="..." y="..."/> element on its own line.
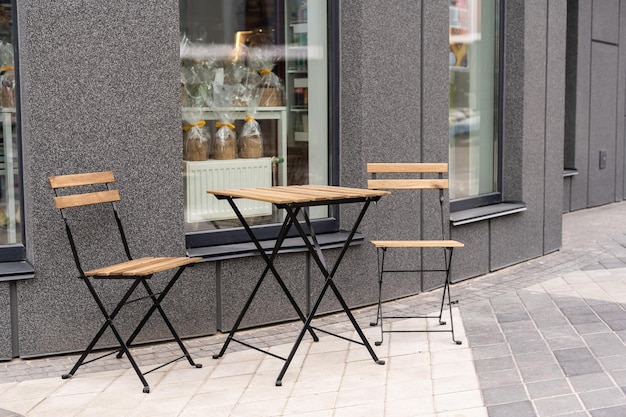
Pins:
<point x="224" y="145"/>
<point x="235" y="72"/>
<point x="196" y="137"/>
<point x="271" y="90"/>
<point x="251" y="139"/>
<point x="7" y="74"/>
<point x="196" y="76"/>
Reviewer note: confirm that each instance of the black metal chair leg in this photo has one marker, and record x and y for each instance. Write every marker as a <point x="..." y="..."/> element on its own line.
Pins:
<point x="379" y="313"/>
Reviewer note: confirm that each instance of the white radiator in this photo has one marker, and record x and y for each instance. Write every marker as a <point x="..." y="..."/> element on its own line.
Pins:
<point x="218" y="175"/>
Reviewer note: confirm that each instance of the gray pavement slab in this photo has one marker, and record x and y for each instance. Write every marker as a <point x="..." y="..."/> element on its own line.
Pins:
<point x="542" y="338"/>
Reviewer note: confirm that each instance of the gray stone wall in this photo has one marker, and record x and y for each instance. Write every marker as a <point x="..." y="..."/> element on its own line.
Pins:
<point x="100" y="91"/>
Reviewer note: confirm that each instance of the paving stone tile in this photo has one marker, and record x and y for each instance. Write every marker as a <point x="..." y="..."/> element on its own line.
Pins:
<point x="498" y="378"/>
<point x="573" y="354"/>
<point x="526" y="360"/>
<point x="559" y="331"/>
<point x="528" y="346"/>
<point x="519" y="409"/>
<point x="604" y="398"/>
<point x="605" y="344"/>
<point x="556" y="406"/>
<point x="609" y="412"/>
<point x="491" y="351"/>
<point x="619" y="377"/>
<point x="514" y="328"/>
<point x="512" y="317"/>
<point x="580" y="367"/>
<point x="541" y="373"/>
<point x="484" y="339"/>
<point x="550" y="388"/>
<point x="587" y="328"/>
<point x="494" y="364"/>
<point x="506" y="394"/>
<point x="590" y="382"/>
<point x="613" y="363"/>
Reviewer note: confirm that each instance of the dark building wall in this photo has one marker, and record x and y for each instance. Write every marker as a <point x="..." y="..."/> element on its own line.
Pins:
<point x="100" y="91"/>
<point x="597" y="148"/>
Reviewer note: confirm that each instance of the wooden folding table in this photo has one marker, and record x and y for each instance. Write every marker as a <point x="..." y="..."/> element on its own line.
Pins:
<point x="295" y="200"/>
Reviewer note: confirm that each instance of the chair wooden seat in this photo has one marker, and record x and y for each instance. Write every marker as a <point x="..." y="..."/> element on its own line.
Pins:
<point x="417" y="244"/>
<point x="77" y="190"/>
<point x="423" y="177"/>
<point x="141" y="267"/>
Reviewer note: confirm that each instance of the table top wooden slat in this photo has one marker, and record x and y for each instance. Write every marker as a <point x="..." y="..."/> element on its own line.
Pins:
<point x="298" y="193"/>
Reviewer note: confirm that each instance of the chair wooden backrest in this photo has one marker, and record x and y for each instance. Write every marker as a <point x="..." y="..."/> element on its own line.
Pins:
<point x="410" y="176"/>
<point x="80" y="198"/>
<point x="405" y="182"/>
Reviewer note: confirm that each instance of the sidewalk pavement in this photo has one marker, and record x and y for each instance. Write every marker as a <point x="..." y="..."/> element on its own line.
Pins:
<point x="543" y="338"/>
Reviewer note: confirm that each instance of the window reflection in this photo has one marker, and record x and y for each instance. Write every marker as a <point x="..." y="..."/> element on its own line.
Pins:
<point x="10" y="228"/>
<point x="473" y="97"/>
<point x="254" y="94"/>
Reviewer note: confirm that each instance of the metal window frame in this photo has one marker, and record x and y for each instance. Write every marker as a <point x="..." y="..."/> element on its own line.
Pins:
<point x="496" y="196"/>
<point x="325" y="225"/>
<point x="16" y="252"/>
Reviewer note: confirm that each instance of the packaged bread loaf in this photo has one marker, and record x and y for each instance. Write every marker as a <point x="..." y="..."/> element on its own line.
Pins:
<point x="196" y="138"/>
<point x="251" y="140"/>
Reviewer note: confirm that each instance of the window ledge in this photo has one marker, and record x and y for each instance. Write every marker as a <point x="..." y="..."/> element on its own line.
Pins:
<point x="478" y="214"/>
<point x="570" y="172"/>
<point x="290" y="245"/>
<point x="14" y="271"/>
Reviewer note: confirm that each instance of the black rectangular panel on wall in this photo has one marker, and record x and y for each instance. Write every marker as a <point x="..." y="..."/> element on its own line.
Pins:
<point x="602" y="123"/>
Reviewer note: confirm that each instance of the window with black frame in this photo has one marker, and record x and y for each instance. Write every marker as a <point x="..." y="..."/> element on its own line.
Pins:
<point x="11" y="229"/>
<point x="254" y="96"/>
<point x="474" y="117"/>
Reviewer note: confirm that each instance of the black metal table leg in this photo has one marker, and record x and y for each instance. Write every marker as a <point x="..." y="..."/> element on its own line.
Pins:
<point x="269" y="260"/>
<point x="314" y="250"/>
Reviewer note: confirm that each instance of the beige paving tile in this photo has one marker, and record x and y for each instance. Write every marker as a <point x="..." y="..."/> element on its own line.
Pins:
<point x="160" y="407"/>
<point x="226" y="383"/>
<point x="453" y="369"/>
<point x="321" y="413"/>
<point x="63" y="405"/>
<point x="458" y="401"/>
<point x="468" y="412"/>
<point x="364" y="380"/>
<point x="85" y="383"/>
<point x="115" y="401"/>
<point x="348" y="397"/>
<point x="410" y="407"/>
<point x="316" y="386"/>
<point x="208" y="410"/>
<point x="421" y="389"/>
<point x="452" y="384"/>
<point x="308" y="403"/>
<point x="216" y="398"/>
<point x="235" y="368"/>
<point x="34" y="389"/>
<point x="268" y="408"/>
<point x="22" y="406"/>
<point x="395" y="376"/>
<point x="369" y="410"/>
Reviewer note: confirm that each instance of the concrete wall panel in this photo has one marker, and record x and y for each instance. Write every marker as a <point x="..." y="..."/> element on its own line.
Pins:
<point x="100" y="91"/>
<point x="602" y="122"/>
<point x="606" y="17"/>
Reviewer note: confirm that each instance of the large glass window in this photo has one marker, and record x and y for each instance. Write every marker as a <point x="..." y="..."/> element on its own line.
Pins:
<point x="11" y="246"/>
<point x="254" y="93"/>
<point x="474" y="101"/>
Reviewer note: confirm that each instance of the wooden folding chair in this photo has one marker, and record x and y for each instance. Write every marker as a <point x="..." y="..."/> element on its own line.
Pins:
<point x="413" y="176"/>
<point x="136" y="271"/>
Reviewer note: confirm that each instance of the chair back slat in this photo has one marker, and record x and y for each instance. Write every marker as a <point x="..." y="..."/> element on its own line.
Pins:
<point x="407" y="176"/>
<point x="404" y="184"/>
<point x="77" y="200"/>
<point x="407" y="168"/>
<point x="73" y="180"/>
